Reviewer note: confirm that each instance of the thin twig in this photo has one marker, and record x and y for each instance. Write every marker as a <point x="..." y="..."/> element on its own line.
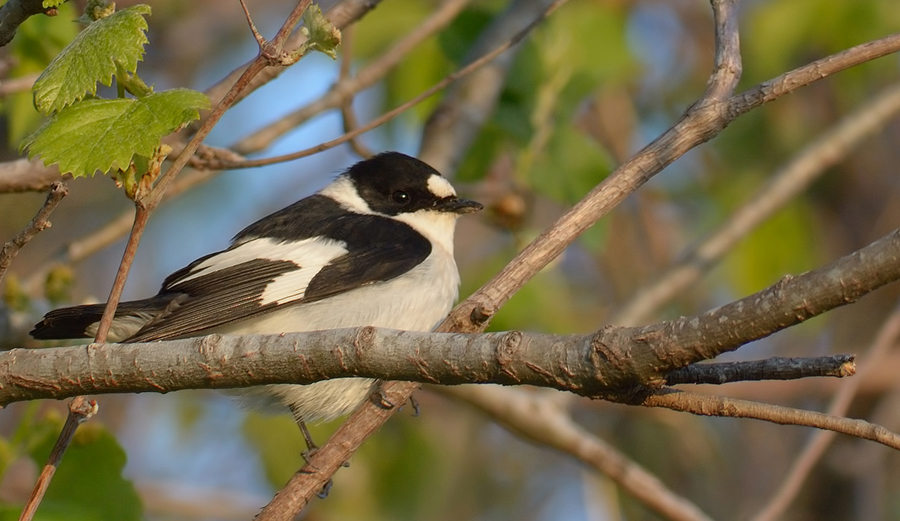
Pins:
<point x="347" y="87"/>
<point x="391" y="114"/>
<point x="348" y="116"/>
<point x="340" y="15"/>
<point x="706" y="405"/>
<point x="702" y="121"/>
<point x="469" y="103"/>
<point x="787" y="490"/>
<point x="41" y="222"/>
<point x="80" y="410"/>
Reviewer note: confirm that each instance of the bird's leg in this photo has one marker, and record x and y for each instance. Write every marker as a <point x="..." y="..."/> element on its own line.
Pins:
<point x="378" y="398"/>
<point x="415" y="405"/>
<point x="311" y="447"/>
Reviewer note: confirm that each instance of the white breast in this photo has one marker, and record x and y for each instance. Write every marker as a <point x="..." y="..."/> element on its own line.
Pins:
<point x="417" y="301"/>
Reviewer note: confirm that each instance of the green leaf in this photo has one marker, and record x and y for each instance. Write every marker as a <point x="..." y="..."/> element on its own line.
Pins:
<point x="117" y="40"/>
<point x="323" y="36"/>
<point x="89" y="482"/>
<point x="104" y="134"/>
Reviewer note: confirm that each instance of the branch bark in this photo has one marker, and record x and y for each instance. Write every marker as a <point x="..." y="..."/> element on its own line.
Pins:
<point x="616" y="363"/>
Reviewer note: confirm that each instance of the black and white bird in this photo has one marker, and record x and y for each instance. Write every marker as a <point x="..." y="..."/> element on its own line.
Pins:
<point x="372" y="248"/>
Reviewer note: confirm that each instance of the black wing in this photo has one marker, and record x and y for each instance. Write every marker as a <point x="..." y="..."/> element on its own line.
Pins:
<point x="287" y="258"/>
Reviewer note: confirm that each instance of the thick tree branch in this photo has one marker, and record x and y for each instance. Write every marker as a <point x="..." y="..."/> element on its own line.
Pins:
<point x="616" y="363"/>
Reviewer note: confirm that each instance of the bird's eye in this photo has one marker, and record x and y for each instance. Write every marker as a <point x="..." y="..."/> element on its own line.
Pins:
<point x="400" y="197"/>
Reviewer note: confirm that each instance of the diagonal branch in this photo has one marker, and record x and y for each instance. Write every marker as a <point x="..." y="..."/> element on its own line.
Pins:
<point x="811" y="163"/>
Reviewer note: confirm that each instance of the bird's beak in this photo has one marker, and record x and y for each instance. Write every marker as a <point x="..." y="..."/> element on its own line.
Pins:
<point x="460" y="206"/>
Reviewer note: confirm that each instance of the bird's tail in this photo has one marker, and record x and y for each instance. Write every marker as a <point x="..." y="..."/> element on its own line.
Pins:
<point x="82" y="321"/>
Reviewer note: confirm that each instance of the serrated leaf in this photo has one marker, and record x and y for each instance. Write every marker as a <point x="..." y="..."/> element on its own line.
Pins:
<point x="103" y="134"/>
<point x="92" y="57"/>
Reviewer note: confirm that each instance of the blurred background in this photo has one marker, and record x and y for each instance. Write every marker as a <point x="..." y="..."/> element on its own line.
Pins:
<point x="594" y="83"/>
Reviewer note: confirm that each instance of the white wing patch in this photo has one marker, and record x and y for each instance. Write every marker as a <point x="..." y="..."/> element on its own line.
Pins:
<point x="311" y="255"/>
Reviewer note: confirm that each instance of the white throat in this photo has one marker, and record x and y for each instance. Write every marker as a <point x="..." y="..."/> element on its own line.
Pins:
<point x="435" y="226"/>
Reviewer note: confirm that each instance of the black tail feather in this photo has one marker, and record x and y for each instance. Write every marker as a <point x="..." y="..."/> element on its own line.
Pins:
<point x="74" y="322"/>
<point x="70" y="322"/>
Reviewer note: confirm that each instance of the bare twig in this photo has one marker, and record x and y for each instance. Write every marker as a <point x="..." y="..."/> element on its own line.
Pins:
<point x="706" y="405"/>
<point x="812" y="162"/>
<point x="702" y="121"/>
<point x="787" y="490"/>
<point x="387" y="116"/>
<point x="769" y="369"/>
<point x="346" y="88"/>
<point x="348" y="116"/>
<point x="41" y="221"/>
<point x="340" y="15"/>
<point x="80" y="410"/>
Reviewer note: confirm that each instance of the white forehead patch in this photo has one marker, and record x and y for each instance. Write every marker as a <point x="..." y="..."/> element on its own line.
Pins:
<point x="440" y="186"/>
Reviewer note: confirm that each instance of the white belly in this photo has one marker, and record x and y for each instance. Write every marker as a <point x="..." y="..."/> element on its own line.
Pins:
<point x="417" y="301"/>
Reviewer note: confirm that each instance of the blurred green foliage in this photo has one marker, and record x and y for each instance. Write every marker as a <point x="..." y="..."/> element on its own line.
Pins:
<point x="37" y="42"/>
<point x="88" y="485"/>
